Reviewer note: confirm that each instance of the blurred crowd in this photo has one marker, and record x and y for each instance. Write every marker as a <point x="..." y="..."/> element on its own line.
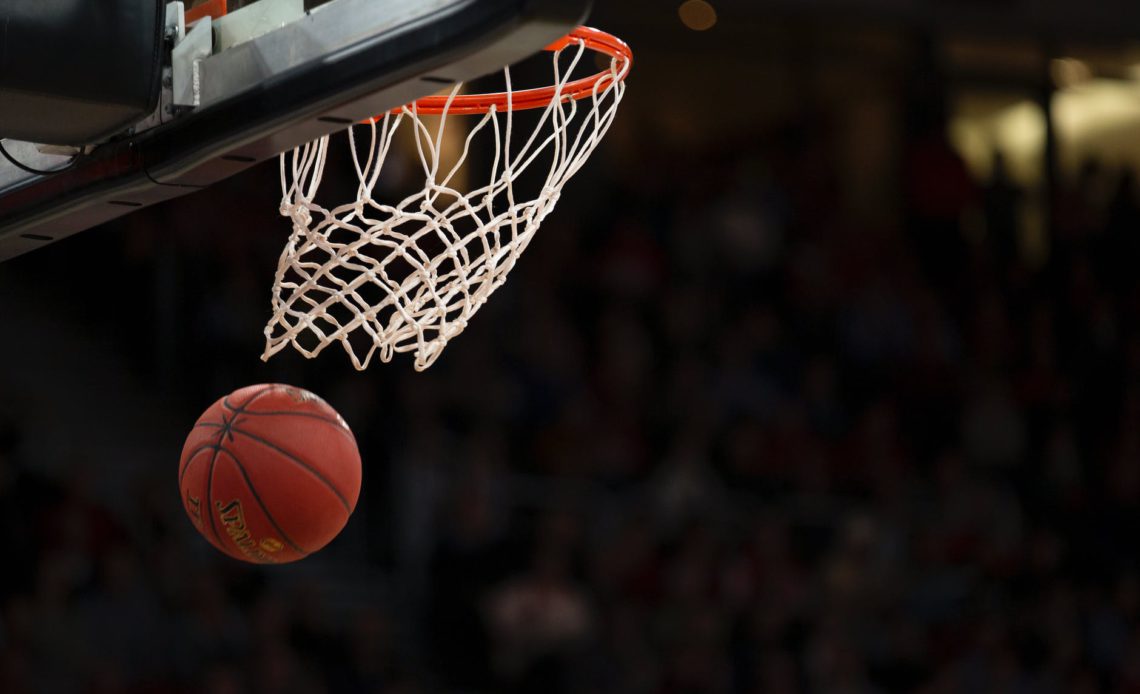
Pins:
<point x="717" y="434"/>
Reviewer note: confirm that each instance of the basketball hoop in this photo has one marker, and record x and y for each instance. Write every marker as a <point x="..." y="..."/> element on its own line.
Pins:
<point x="381" y="278"/>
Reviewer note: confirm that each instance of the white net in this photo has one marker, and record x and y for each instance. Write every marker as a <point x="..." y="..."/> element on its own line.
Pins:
<point x="380" y="278"/>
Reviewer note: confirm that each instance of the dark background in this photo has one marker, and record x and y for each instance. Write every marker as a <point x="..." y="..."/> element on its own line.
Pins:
<point x="824" y="376"/>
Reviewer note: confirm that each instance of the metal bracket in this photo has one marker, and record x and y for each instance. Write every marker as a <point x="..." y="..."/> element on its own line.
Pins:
<point x="175" y="22"/>
<point x="256" y="19"/>
<point x="174" y="33"/>
<point x="186" y="62"/>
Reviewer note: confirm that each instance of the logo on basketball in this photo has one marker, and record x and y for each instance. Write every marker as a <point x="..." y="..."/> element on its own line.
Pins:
<point x="233" y="519"/>
<point x="194" y="508"/>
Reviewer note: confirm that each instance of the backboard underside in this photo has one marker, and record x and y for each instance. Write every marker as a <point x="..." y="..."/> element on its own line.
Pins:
<point x="339" y="63"/>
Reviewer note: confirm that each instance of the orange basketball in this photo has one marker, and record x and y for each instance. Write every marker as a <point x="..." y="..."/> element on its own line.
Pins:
<point x="270" y="474"/>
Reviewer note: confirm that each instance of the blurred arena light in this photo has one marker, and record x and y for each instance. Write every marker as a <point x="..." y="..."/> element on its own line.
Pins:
<point x="697" y="15"/>
<point x="1094" y="118"/>
<point x="1069" y="72"/>
<point x="1017" y="131"/>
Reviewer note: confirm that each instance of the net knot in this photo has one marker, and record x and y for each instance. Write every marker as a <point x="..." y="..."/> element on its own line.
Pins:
<point x="297" y="212"/>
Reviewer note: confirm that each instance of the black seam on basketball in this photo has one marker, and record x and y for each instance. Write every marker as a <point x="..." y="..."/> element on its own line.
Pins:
<point x="324" y="480"/>
<point x="210" y="496"/>
<point x="190" y="459"/>
<point x="299" y="414"/>
<point x="209" y="424"/>
<point x="241" y="410"/>
<point x="312" y="415"/>
<point x="257" y="498"/>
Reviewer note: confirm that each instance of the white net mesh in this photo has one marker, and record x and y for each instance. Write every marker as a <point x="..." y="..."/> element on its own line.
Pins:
<point x="381" y="278"/>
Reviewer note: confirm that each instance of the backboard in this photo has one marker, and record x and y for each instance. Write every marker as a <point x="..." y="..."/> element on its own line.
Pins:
<point x="259" y="81"/>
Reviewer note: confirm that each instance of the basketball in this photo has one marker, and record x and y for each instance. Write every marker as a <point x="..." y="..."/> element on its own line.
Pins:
<point x="269" y="474"/>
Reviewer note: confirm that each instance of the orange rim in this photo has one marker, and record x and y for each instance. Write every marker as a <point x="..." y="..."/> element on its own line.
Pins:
<point x="524" y="99"/>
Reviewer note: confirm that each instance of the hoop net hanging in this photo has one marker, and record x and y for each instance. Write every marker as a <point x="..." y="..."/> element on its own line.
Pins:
<point x="380" y="278"/>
